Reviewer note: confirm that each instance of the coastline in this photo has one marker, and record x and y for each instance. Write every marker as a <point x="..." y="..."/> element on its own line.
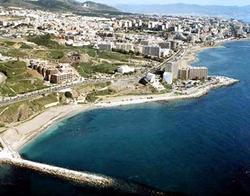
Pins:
<point x="19" y="135"/>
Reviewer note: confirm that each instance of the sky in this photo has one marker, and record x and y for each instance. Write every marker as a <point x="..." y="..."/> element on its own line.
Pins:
<point x="201" y="2"/>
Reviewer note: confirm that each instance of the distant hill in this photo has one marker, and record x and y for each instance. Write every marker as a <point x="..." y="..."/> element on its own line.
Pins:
<point x="98" y="6"/>
<point x="61" y="5"/>
<point x="242" y="13"/>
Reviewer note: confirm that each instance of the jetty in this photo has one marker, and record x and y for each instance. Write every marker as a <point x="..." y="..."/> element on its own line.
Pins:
<point x="96" y="181"/>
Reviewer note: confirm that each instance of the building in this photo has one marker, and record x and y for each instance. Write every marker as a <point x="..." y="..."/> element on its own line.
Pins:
<point x="61" y="77"/>
<point x="198" y="73"/>
<point x="168" y="77"/>
<point x="49" y="72"/>
<point x="153" y="51"/>
<point x="165" y="52"/>
<point x="173" y="68"/>
<point x="193" y="73"/>
<point x="125" y="69"/>
<point x="150" y="77"/>
<point x="124" y="47"/>
<point x="105" y="46"/>
<point x="183" y="74"/>
<point x="165" y="45"/>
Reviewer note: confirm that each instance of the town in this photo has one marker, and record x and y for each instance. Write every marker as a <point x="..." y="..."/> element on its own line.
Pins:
<point x="67" y="66"/>
<point x="60" y="58"/>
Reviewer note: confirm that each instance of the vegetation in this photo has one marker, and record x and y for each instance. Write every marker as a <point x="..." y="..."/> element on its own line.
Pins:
<point x="91" y="97"/>
<point x="86" y="69"/>
<point x="25" y="46"/>
<point x="42" y="54"/>
<point x="45" y="40"/>
<point x="68" y="95"/>
<point x="9" y="43"/>
<point x="167" y="86"/>
<point x="107" y="91"/>
<point x="15" y="53"/>
<point x="62" y="5"/>
<point x="104" y="68"/>
<point x="56" y="54"/>
<point x="24" y="110"/>
<point x="113" y="55"/>
<point x="18" y="79"/>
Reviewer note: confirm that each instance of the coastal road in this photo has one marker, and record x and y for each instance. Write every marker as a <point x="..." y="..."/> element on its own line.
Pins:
<point x="38" y="93"/>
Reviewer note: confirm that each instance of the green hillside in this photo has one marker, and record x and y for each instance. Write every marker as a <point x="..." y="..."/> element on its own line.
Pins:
<point x="60" y="5"/>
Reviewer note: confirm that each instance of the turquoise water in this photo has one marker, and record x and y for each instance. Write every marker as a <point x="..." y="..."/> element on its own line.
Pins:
<point x="197" y="147"/>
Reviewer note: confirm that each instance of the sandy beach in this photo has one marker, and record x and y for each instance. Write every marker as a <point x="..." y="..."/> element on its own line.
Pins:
<point x="191" y="55"/>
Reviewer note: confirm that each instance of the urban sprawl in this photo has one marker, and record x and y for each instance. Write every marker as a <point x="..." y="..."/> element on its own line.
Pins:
<point x="133" y="54"/>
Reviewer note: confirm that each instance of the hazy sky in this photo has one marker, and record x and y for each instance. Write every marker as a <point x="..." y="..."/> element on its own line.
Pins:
<point x="202" y="2"/>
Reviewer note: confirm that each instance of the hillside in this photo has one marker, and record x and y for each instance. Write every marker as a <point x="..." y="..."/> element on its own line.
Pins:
<point x="60" y="5"/>
<point x="98" y="6"/>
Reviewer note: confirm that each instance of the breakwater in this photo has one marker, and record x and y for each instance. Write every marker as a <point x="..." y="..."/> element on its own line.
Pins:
<point x="96" y="181"/>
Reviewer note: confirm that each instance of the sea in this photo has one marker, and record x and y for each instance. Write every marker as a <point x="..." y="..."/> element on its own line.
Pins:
<point x="191" y="147"/>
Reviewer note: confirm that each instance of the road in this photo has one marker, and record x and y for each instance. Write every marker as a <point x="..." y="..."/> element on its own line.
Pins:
<point x="38" y="93"/>
<point x="178" y="54"/>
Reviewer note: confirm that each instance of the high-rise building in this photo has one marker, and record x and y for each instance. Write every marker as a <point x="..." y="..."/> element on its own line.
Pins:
<point x="153" y="51"/>
<point x="198" y="73"/>
<point x="183" y="74"/>
<point x="173" y="68"/>
<point x="168" y="77"/>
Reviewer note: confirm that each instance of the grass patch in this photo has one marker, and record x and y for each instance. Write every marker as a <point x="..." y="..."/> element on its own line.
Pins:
<point x="56" y="54"/>
<point x="105" y="68"/>
<point x="42" y="54"/>
<point x="90" y="51"/>
<point x="24" y="110"/>
<point x="86" y="69"/>
<point x="91" y="97"/>
<point x="18" y="80"/>
<point x="9" y="43"/>
<point x="45" y="40"/>
<point x="114" y="56"/>
<point x="15" y="53"/>
<point x="25" y="46"/>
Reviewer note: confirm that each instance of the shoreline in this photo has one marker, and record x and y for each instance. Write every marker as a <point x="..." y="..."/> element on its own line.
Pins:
<point x="18" y="136"/>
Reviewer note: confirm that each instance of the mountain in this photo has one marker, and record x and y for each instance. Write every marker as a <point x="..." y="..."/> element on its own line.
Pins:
<point x="61" y="5"/>
<point x="242" y="13"/>
<point x="99" y="6"/>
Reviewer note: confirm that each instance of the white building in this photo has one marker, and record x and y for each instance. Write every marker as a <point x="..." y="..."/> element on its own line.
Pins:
<point x="124" y="69"/>
<point x="124" y="46"/>
<point x="150" y="77"/>
<point x="168" y="77"/>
